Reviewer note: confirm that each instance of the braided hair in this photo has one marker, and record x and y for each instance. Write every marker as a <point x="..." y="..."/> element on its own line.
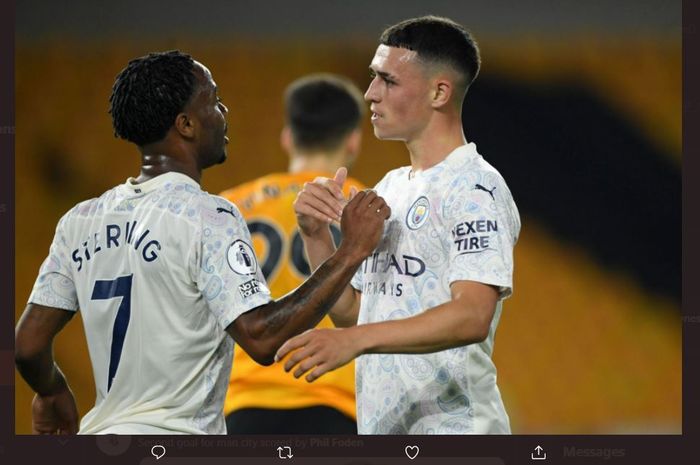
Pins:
<point x="148" y="95"/>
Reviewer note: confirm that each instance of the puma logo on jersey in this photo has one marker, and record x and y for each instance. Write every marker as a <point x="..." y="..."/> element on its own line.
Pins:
<point x="223" y="210"/>
<point x="482" y="188"/>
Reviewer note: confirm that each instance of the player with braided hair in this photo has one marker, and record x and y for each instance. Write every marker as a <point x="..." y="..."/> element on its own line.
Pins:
<point x="164" y="273"/>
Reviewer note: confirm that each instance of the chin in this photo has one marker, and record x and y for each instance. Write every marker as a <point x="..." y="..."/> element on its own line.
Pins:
<point x="222" y="158"/>
<point x="384" y="136"/>
<point x="379" y="134"/>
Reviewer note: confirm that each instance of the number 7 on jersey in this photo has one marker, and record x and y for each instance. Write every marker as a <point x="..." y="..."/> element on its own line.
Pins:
<point x="120" y="287"/>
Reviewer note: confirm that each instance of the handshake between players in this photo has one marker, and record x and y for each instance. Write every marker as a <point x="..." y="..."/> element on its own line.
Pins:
<point x="318" y="351"/>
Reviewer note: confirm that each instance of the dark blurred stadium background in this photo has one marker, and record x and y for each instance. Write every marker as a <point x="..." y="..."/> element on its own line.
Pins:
<point x="578" y="105"/>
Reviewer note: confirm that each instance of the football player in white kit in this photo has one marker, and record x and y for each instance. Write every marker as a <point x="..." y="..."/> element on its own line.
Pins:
<point x="162" y="271"/>
<point x="422" y="311"/>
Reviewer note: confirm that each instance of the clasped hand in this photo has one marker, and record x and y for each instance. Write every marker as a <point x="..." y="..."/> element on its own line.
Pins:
<point x="319" y="351"/>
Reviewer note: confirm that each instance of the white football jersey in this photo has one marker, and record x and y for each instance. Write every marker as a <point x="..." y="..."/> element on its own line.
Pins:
<point x="454" y="221"/>
<point x="158" y="270"/>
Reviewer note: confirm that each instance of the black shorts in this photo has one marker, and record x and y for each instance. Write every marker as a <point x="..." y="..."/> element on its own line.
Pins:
<point x="310" y="420"/>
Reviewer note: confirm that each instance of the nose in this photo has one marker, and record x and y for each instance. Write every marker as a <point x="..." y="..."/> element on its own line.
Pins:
<point x="372" y="95"/>
<point x="223" y="107"/>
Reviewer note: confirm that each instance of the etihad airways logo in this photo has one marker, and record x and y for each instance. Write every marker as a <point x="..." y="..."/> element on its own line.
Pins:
<point x="403" y="265"/>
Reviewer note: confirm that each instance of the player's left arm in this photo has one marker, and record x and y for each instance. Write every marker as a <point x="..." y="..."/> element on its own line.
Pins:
<point x="53" y="408"/>
<point x="464" y="319"/>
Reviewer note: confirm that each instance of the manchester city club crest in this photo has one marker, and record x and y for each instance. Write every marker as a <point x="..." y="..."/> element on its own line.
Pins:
<point x="241" y="258"/>
<point x="418" y="213"/>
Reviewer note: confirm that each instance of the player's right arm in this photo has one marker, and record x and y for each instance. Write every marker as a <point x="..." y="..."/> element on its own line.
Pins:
<point x="52" y="304"/>
<point x="317" y="205"/>
<point x="261" y="331"/>
<point x="53" y="408"/>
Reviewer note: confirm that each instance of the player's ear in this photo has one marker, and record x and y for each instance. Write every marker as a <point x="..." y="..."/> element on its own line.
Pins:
<point x="286" y="139"/>
<point x="442" y="92"/>
<point x="185" y="126"/>
<point x="353" y="144"/>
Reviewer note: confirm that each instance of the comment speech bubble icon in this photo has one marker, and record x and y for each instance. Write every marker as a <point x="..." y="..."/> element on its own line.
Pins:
<point x="157" y="451"/>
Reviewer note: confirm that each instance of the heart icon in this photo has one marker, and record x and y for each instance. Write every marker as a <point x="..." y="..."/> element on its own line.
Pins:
<point x="412" y="452"/>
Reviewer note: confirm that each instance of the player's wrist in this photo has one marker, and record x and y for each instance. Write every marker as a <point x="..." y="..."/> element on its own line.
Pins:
<point x="319" y="246"/>
<point x="349" y="255"/>
<point x="320" y="234"/>
<point x="359" y="339"/>
<point x="56" y="386"/>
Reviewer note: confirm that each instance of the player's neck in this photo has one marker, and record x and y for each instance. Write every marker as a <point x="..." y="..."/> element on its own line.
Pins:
<point x="317" y="163"/>
<point x="153" y="165"/>
<point x="441" y="135"/>
<point x="432" y="147"/>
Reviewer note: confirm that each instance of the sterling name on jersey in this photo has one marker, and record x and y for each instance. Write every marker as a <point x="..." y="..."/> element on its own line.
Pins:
<point x="454" y="221"/>
<point x="158" y="270"/>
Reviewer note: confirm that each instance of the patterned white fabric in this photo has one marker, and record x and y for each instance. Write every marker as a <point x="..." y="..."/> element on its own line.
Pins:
<point x="455" y="221"/>
<point x="158" y="270"/>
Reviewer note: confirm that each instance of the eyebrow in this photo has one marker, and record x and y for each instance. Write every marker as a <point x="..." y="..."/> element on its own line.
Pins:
<point x="383" y="74"/>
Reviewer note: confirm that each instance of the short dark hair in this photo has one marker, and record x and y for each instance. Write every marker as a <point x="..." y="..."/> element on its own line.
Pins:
<point x="321" y="110"/>
<point x="148" y="95"/>
<point x="437" y="39"/>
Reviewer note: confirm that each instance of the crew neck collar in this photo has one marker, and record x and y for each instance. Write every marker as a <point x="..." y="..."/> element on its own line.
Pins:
<point x="463" y="151"/>
<point x="158" y="181"/>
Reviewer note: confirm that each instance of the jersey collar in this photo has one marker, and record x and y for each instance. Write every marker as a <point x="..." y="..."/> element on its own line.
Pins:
<point x="161" y="180"/>
<point x="457" y="157"/>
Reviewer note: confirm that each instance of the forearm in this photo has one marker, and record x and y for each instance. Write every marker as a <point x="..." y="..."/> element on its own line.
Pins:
<point x="34" y="347"/>
<point x="302" y="309"/>
<point x="41" y="373"/>
<point x="439" y="328"/>
<point x="318" y="249"/>
<point x="466" y="319"/>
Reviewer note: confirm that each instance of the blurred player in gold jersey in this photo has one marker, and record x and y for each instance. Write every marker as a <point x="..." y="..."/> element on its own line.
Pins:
<point x="321" y="134"/>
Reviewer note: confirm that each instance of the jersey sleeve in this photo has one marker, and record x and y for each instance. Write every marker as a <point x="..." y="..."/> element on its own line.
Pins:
<point x="54" y="287"/>
<point x="227" y="272"/>
<point x="481" y="235"/>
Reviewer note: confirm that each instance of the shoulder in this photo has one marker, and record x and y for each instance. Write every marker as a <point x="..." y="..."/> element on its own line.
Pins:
<point x="246" y="194"/>
<point x="242" y="190"/>
<point x="469" y="171"/>
<point x="218" y="219"/>
<point x="471" y="182"/>
<point x="214" y="206"/>
<point x="87" y="208"/>
<point x="391" y="177"/>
